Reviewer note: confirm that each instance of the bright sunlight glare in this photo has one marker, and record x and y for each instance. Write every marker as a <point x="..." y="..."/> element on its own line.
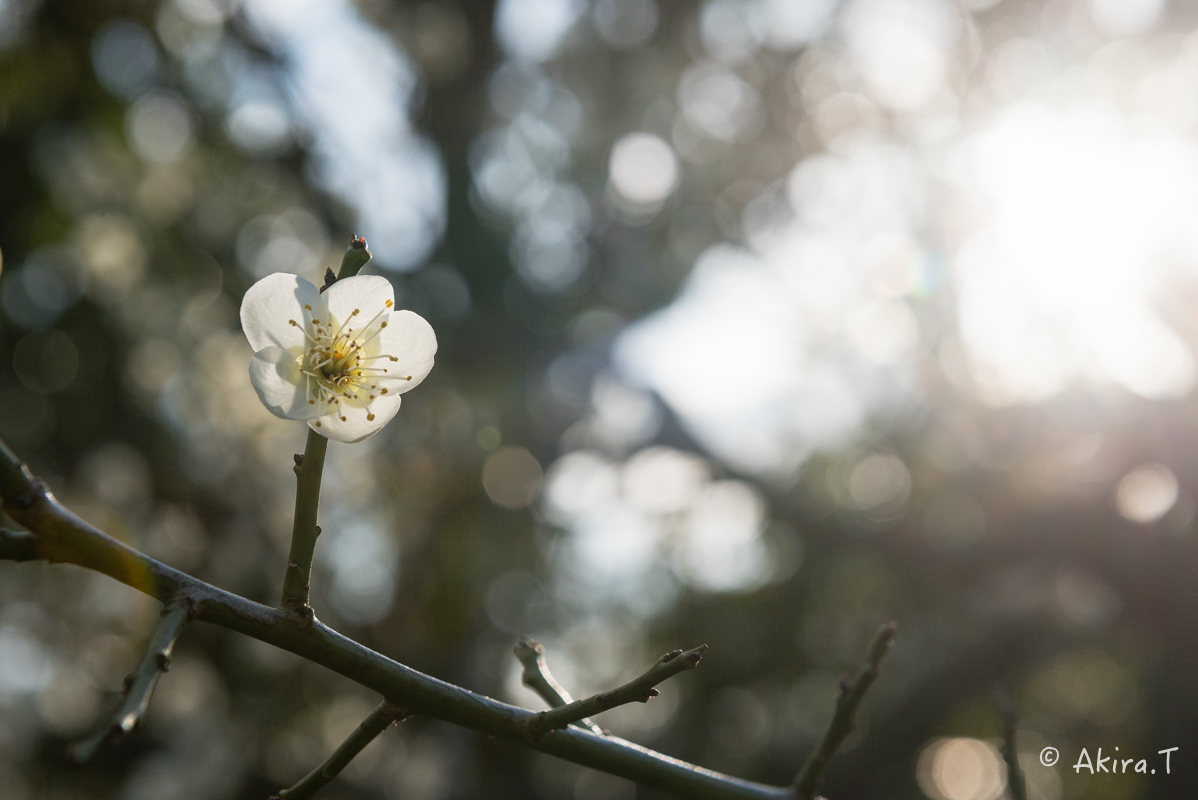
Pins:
<point x="1085" y="216"/>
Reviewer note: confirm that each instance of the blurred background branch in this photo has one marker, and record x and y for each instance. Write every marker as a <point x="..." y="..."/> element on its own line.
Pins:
<point x="844" y="721"/>
<point x="378" y="721"/>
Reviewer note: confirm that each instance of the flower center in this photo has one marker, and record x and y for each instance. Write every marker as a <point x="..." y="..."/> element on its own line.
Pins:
<point x="344" y="363"/>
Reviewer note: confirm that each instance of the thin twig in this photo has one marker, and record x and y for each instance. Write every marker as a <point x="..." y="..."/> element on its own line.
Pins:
<point x="844" y="721"/>
<point x="64" y="538"/>
<point x="1010" y="751"/>
<point x="538" y="678"/>
<point x="379" y="720"/>
<point x="139" y="685"/>
<point x="639" y="690"/>
<point x="297" y="579"/>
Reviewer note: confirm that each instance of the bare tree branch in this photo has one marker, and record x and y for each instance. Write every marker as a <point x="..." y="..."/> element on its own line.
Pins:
<point x="538" y="678"/>
<point x="379" y="720"/>
<point x="1010" y="751"/>
<point x="64" y="538"/>
<point x="297" y="579"/>
<point x="844" y="721"/>
<point x="639" y="690"/>
<point x="139" y="684"/>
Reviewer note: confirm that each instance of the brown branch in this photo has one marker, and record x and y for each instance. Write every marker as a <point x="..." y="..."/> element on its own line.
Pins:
<point x="844" y="721"/>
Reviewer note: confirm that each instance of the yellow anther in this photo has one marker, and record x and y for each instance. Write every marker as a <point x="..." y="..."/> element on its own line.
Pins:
<point x="369" y="417"/>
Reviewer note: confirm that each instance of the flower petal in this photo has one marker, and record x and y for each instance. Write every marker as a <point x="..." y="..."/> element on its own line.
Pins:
<point x="356" y="427"/>
<point x="366" y="293"/>
<point x="271" y="303"/>
<point x="409" y="338"/>
<point x="280" y="384"/>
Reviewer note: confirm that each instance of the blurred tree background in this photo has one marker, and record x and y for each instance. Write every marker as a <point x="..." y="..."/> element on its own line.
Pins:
<point x="761" y="323"/>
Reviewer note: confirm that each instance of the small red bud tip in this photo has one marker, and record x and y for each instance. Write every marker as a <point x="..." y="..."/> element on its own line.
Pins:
<point x="357" y="242"/>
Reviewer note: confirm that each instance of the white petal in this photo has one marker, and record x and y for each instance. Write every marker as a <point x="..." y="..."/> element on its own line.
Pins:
<point x="280" y="384"/>
<point x="356" y="426"/>
<point x="271" y="303"/>
<point x="366" y="293"/>
<point x="409" y="338"/>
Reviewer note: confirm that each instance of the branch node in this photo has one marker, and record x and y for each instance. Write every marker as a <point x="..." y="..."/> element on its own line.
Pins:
<point x="536" y="676"/>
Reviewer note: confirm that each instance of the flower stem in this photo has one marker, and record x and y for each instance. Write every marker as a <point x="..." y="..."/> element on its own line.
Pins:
<point x="308" y="470"/>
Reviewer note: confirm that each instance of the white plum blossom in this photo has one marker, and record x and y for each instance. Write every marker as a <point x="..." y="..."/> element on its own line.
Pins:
<point x="339" y="360"/>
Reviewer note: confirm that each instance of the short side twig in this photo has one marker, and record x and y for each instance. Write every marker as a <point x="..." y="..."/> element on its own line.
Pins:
<point x="139" y="684"/>
<point x="639" y="690"/>
<point x="297" y="579"/>
<point x="379" y="720"/>
<point x="538" y="678"/>
<point x="1010" y="751"/>
<point x="844" y="721"/>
